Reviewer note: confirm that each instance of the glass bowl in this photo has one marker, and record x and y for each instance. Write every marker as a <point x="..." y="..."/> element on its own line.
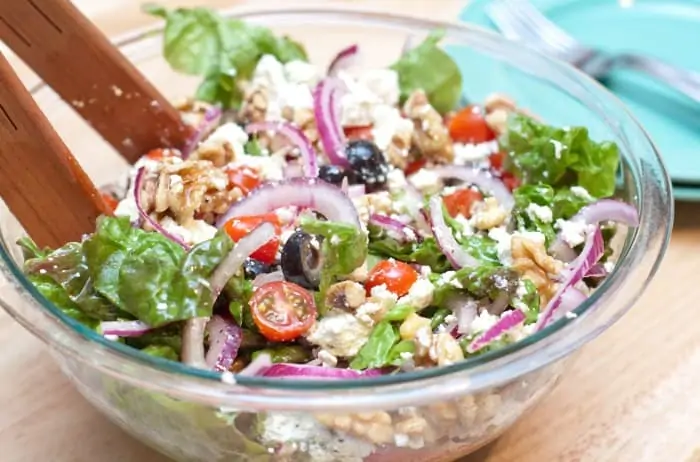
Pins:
<point x="430" y="415"/>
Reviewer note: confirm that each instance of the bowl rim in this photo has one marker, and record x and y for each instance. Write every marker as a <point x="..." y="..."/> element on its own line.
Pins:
<point x="526" y="345"/>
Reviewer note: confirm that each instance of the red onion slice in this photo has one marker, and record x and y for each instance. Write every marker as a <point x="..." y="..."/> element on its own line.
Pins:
<point x="480" y="178"/>
<point x="124" y="328"/>
<point x="224" y="341"/>
<point x="310" y="193"/>
<point x="508" y="321"/>
<point x="193" y="342"/>
<point x="466" y="311"/>
<point x="326" y="109"/>
<point x="592" y="251"/>
<point x="304" y="371"/>
<point x="344" y="59"/>
<point x="394" y="228"/>
<point x="355" y="190"/>
<point x="459" y="257"/>
<point x="265" y="278"/>
<point x="257" y="366"/>
<point x="233" y="262"/>
<point x="593" y="214"/>
<point x="210" y="120"/>
<point x="296" y="137"/>
<point x="138" y="187"/>
<point x="597" y="271"/>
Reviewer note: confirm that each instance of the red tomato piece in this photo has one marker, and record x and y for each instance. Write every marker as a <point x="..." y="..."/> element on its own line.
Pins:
<point x="469" y="126"/>
<point x="244" y="178"/>
<point x="359" y="132"/>
<point x="396" y="275"/>
<point x="159" y="153"/>
<point x="496" y="161"/>
<point x="461" y="201"/>
<point x="239" y="227"/>
<point x="282" y="310"/>
<point x="511" y="181"/>
<point x="414" y="166"/>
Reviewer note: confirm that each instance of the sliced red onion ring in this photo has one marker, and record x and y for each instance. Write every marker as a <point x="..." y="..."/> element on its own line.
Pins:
<point x="355" y="190"/>
<point x="210" y="120"/>
<point x="310" y="193"/>
<point x="293" y="171"/>
<point x="593" y="250"/>
<point x="193" y="342"/>
<point x="124" y="328"/>
<point x="304" y="371"/>
<point x="138" y="187"/>
<point x="233" y="262"/>
<point x="459" y="257"/>
<point x="394" y="228"/>
<point x="257" y="366"/>
<point x="296" y="137"/>
<point x="508" y="321"/>
<point x="593" y="214"/>
<point x="224" y="341"/>
<point x="326" y="109"/>
<point x="414" y="205"/>
<point x="344" y="59"/>
<point x="265" y="278"/>
<point x="466" y="311"/>
<point x="480" y="178"/>
<point x="571" y="299"/>
<point x="597" y="271"/>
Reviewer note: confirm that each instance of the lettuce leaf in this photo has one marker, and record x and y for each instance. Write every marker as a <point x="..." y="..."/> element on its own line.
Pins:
<point x="376" y="352"/>
<point x="425" y="252"/>
<point x="481" y="282"/>
<point x="559" y="157"/>
<point x="225" y="51"/>
<point x="429" y="68"/>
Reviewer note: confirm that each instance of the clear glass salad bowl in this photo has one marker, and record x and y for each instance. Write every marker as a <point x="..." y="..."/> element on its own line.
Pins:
<point x="444" y="413"/>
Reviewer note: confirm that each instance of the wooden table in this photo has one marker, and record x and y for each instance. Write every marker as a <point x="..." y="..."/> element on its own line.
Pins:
<point x="630" y="397"/>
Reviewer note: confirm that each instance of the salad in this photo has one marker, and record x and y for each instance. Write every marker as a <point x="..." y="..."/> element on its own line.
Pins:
<point x="339" y="222"/>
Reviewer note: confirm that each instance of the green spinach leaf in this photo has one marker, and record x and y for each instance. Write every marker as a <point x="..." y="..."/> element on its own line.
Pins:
<point x="375" y="353"/>
<point x="425" y="252"/>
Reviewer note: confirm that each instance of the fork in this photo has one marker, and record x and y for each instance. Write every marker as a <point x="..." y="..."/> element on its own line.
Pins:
<point x="520" y="20"/>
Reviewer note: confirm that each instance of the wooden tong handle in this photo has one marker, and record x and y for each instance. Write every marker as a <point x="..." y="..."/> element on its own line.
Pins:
<point x="40" y="181"/>
<point x="88" y="72"/>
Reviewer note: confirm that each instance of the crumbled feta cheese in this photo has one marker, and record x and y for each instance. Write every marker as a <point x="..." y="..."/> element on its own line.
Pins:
<point x="340" y="333"/>
<point x="227" y="134"/>
<point x="580" y="191"/>
<point x="426" y="181"/>
<point x="534" y="236"/>
<point x="197" y="231"/>
<point x="387" y="122"/>
<point x="285" y="214"/>
<point x="381" y="294"/>
<point x="301" y="72"/>
<point x="396" y="179"/>
<point x="609" y="266"/>
<point x="127" y="208"/>
<point x="419" y="295"/>
<point x="466" y="224"/>
<point x="269" y="167"/>
<point x="269" y="73"/>
<point x="335" y="239"/>
<point x="296" y="96"/>
<point x="370" y="89"/>
<point x="327" y="359"/>
<point x="521" y="291"/>
<point x="483" y="322"/>
<point x="557" y="148"/>
<point x="573" y="232"/>
<point x="469" y="153"/>
<point x="540" y="212"/>
<point x="384" y="83"/>
<point x="503" y="240"/>
<point x="301" y="430"/>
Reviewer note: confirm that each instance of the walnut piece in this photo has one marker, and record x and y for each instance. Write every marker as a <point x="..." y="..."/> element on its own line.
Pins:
<point x="345" y="295"/>
<point x="445" y="349"/>
<point x="430" y="135"/>
<point x="254" y="107"/>
<point x="373" y="426"/>
<point x="489" y="214"/>
<point x="530" y="258"/>
<point x="498" y="109"/>
<point x="397" y="153"/>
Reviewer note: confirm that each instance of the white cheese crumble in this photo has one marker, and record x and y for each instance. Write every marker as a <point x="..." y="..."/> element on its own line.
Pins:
<point x="580" y="191"/>
<point x="540" y="212"/>
<point x="287" y="85"/>
<point x="573" y="232"/>
<point x="327" y="359"/>
<point x="469" y="152"/>
<point x="372" y="88"/>
<point x="609" y="266"/>
<point x="384" y="83"/>
<point x="340" y="333"/>
<point x="503" y="240"/>
<point x="301" y="72"/>
<point x="301" y="430"/>
<point x="426" y="181"/>
<point x="557" y="148"/>
<point x="534" y="236"/>
<point x="419" y="295"/>
<point x="483" y="322"/>
<point x="228" y="134"/>
<point x="387" y="122"/>
<point x="268" y="167"/>
<point x="195" y="232"/>
<point x="396" y="179"/>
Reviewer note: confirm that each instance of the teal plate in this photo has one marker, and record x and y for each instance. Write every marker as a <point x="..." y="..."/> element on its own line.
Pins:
<point x="686" y="193"/>
<point x="669" y="29"/>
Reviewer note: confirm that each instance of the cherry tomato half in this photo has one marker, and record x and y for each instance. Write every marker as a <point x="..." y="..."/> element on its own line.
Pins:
<point x="396" y="275"/>
<point x="496" y="161"/>
<point x="159" y="153"/>
<point x="461" y="201"/>
<point x="469" y="126"/>
<point x="282" y="310"/>
<point x="511" y="181"/>
<point x="244" y="178"/>
<point x="359" y="132"/>
<point x="239" y="227"/>
<point x="110" y="201"/>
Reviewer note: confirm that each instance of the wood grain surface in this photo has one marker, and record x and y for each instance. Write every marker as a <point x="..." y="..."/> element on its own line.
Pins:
<point x="629" y="397"/>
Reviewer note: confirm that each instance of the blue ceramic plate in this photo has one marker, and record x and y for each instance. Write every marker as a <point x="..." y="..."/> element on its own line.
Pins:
<point x="669" y="29"/>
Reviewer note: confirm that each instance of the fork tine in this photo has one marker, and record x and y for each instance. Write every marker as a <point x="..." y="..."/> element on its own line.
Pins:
<point x="504" y="14"/>
<point x="550" y="31"/>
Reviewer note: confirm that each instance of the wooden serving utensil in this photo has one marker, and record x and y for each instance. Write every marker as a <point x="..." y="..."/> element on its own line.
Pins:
<point x="40" y="181"/>
<point x="71" y="54"/>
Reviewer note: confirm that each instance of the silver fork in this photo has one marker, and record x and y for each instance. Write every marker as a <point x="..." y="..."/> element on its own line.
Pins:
<point x="520" y="20"/>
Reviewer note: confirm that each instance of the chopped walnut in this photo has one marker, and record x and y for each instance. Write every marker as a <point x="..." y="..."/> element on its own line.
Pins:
<point x="531" y="259"/>
<point x="254" y="107"/>
<point x="489" y="214"/>
<point x="304" y="119"/>
<point x="430" y="135"/>
<point x="183" y="189"/>
<point x="220" y="154"/>
<point x="373" y="426"/>
<point x="368" y="204"/>
<point x="345" y="295"/>
<point x="445" y="349"/>
<point x="498" y="108"/>
<point x="397" y="153"/>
